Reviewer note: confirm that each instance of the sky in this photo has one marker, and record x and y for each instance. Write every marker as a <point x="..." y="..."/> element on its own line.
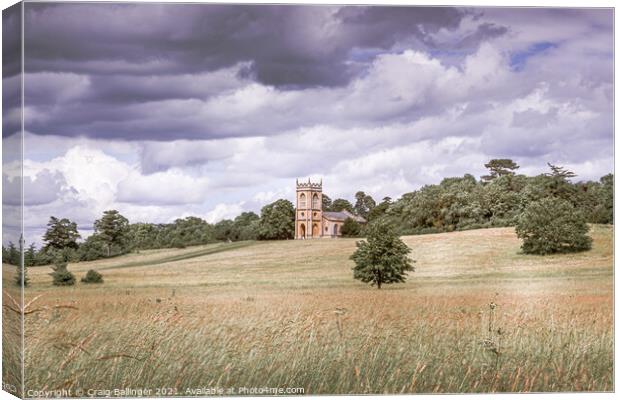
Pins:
<point x="163" y="111"/>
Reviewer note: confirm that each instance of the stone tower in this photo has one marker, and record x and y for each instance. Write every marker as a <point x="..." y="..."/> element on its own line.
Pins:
<point x="309" y="210"/>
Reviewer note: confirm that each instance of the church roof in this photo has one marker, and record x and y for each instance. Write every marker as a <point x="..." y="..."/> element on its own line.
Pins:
<point x="341" y="216"/>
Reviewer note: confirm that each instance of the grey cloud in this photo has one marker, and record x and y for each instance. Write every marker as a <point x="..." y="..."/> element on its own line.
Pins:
<point x="44" y="188"/>
<point x="11" y="40"/>
<point x="289" y="45"/>
<point x="534" y="119"/>
<point x="484" y="32"/>
<point x="129" y="71"/>
<point x="11" y="70"/>
<point x="11" y="191"/>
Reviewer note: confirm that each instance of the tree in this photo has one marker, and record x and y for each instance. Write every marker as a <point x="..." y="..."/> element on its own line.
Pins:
<point x="113" y="230"/>
<point x="11" y="254"/>
<point x="245" y="226"/>
<point x="21" y="276"/>
<point x="19" y="279"/>
<point x="224" y="230"/>
<point x="30" y="255"/>
<point x="456" y="203"/>
<point x="553" y="225"/>
<point x="277" y="221"/>
<point x="61" y="234"/>
<point x="341" y="204"/>
<point x="327" y="202"/>
<point x="603" y="212"/>
<point x="61" y="275"/>
<point x="502" y="201"/>
<point x="142" y="235"/>
<point x="557" y="184"/>
<point x="560" y="172"/>
<point x="364" y="204"/>
<point x="93" y="248"/>
<point x="380" y="210"/>
<point x="30" y="259"/>
<point x="189" y="231"/>
<point x="350" y="228"/>
<point x="499" y="167"/>
<point x="382" y="257"/>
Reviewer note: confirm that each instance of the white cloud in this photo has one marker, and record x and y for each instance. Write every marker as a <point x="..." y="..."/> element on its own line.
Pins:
<point x="224" y="211"/>
<point x="171" y="187"/>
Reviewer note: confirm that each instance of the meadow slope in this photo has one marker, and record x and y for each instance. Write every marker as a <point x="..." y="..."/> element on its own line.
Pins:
<point x="289" y="314"/>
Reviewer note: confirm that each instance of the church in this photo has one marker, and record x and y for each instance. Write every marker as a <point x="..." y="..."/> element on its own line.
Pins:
<point x="310" y="219"/>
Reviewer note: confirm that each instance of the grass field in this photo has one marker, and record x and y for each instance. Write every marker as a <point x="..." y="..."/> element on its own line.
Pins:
<point x="288" y="314"/>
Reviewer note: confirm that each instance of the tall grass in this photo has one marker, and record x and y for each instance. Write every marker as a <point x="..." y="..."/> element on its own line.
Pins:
<point x="11" y="332"/>
<point x="372" y="342"/>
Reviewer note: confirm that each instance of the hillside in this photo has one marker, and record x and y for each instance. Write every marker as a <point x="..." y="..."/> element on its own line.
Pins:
<point x="288" y="313"/>
<point x="486" y="255"/>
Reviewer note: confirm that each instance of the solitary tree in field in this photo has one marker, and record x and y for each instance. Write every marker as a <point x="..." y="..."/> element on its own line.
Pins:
<point x="499" y="167"/>
<point x="553" y="225"/>
<point x="382" y="257"/>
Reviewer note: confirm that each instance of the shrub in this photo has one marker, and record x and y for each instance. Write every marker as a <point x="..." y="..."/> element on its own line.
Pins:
<point x="61" y="275"/>
<point x="552" y="225"/>
<point x="92" y="276"/>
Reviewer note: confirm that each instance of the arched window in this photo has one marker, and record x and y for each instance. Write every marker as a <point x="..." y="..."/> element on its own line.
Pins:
<point x="315" y="201"/>
<point x="302" y="201"/>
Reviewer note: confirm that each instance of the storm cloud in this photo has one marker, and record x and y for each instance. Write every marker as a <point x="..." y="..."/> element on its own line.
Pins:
<point x="106" y="72"/>
<point x="288" y="45"/>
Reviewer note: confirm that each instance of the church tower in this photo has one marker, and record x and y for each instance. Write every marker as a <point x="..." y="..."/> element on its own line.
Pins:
<point x="309" y="210"/>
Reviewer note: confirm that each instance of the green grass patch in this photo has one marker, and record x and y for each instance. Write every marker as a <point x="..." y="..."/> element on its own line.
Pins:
<point x="186" y="256"/>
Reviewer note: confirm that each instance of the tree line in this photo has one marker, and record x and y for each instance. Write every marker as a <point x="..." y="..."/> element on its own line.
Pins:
<point x="498" y="199"/>
<point x="114" y="235"/>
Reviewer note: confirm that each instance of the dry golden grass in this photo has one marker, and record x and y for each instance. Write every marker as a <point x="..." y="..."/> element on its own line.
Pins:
<point x="289" y="314"/>
<point x="11" y="331"/>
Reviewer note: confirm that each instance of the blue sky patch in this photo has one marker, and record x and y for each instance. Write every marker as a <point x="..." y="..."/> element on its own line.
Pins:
<point x="518" y="59"/>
